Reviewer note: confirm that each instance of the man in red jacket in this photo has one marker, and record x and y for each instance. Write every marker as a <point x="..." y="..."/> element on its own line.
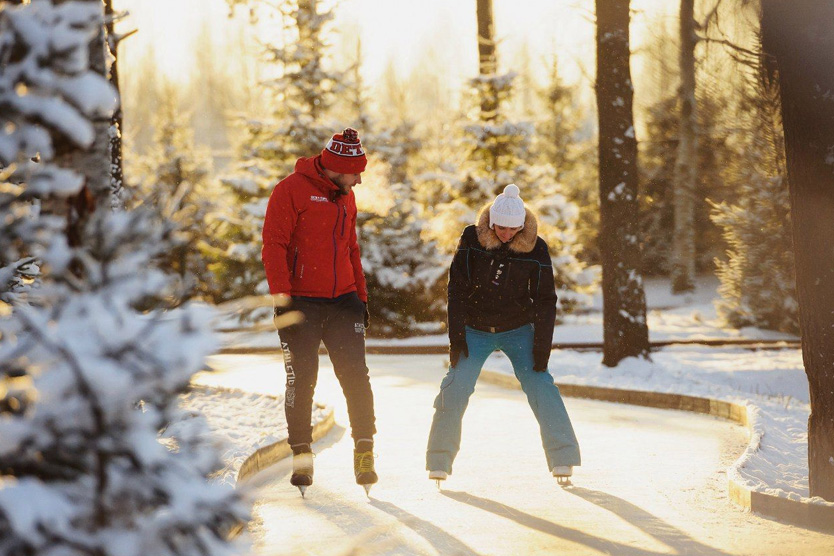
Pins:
<point x="310" y="253"/>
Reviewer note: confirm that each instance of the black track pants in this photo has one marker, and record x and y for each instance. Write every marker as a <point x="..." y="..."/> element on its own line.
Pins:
<point x="339" y="323"/>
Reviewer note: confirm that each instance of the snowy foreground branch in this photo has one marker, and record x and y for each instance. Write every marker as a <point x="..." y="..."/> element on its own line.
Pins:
<point x="87" y="379"/>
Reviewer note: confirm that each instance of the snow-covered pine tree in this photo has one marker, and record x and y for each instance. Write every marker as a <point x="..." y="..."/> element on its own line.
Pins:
<point x="405" y="274"/>
<point x="301" y="94"/>
<point x="758" y="276"/>
<point x="173" y="182"/>
<point x="88" y="381"/>
<point x="565" y="141"/>
<point x="497" y="152"/>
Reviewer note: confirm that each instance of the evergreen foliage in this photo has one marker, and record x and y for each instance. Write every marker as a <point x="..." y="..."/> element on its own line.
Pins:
<point x="174" y="183"/>
<point x="758" y="275"/>
<point x="496" y="152"/>
<point x="301" y="95"/>
<point x="657" y="161"/>
<point x="88" y="381"/>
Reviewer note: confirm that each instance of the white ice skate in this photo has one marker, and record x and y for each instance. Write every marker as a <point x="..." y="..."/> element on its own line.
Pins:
<point x="563" y="474"/>
<point x="438" y="476"/>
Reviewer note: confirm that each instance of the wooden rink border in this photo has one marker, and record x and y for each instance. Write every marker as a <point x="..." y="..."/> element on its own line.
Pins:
<point x="440" y="349"/>
<point x="795" y="512"/>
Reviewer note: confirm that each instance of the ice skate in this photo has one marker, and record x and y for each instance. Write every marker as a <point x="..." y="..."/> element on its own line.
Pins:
<point x="363" y="468"/>
<point x="563" y="474"/>
<point x="438" y="476"/>
<point x="302" y="471"/>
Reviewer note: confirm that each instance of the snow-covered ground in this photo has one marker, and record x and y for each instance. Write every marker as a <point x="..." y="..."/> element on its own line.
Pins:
<point x="772" y="383"/>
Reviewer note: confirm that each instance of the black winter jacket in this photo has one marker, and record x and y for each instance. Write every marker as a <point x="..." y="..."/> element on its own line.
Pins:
<point x="503" y="286"/>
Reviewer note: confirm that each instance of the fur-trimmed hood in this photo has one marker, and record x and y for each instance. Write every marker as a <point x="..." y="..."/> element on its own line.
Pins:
<point x="523" y="242"/>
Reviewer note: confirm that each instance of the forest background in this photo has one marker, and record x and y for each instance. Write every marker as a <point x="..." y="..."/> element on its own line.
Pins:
<point x="220" y="99"/>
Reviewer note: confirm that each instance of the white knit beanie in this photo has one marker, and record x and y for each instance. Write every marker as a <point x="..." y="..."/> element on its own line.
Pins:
<point x="508" y="209"/>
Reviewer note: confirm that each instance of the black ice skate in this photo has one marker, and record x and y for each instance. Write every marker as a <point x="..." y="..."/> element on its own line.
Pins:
<point x="363" y="468"/>
<point x="302" y="471"/>
<point x="563" y="474"/>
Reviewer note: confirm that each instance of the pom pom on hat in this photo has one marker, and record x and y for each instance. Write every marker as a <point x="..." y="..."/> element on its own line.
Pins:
<point x="508" y="209"/>
<point x="344" y="154"/>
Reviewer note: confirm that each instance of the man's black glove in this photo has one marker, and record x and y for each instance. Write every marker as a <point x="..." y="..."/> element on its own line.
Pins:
<point x="456" y="348"/>
<point x="278" y="311"/>
<point x="367" y="319"/>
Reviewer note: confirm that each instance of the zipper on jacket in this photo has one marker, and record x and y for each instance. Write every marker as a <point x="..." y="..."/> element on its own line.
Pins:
<point x="344" y="217"/>
<point x="294" y="261"/>
<point x="335" y="251"/>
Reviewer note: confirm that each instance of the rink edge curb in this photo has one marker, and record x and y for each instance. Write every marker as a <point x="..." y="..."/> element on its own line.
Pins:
<point x="812" y="516"/>
<point x="270" y="454"/>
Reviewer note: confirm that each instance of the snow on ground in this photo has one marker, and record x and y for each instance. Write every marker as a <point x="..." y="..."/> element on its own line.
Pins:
<point x="242" y="421"/>
<point x="772" y="383"/>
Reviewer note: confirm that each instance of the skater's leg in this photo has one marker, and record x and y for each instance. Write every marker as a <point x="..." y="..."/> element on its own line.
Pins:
<point x="300" y="345"/>
<point x="449" y="406"/>
<point x="344" y="338"/>
<point x="558" y="438"/>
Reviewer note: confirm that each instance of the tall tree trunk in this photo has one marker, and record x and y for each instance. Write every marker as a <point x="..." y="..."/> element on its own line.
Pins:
<point x="686" y="163"/>
<point x="94" y="162"/>
<point x="116" y="122"/>
<point x="625" y="333"/>
<point x="798" y="37"/>
<point x="308" y="31"/>
<point x="487" y="59"/>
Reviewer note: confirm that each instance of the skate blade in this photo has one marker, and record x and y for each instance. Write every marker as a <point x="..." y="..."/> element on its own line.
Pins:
<point x="564" y="481"/>
<point x="367" y="490"/>
<point x="438" y="483"/>
<point x="302" y="489"/>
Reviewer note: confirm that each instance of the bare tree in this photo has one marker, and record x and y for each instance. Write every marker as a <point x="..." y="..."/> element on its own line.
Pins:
<point x="798" y="42"/>
<point x="686" y="162"/>
<point x="487" y="58"/>
<point x="625" y="332"/>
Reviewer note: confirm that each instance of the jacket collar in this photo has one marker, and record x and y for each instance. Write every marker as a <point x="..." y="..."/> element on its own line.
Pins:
<point x="312" y="169"/>
<point x="523" y="242"/>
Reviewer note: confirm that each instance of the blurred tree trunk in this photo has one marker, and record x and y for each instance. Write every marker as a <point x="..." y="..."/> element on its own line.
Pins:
<point x="625" y="333"/>
<point x="93" y="163"/>
<point x="487" y="59"/>
<point x="116" y="122"/>
<point x="798" y="37"/>
<point x="686" y="163"/>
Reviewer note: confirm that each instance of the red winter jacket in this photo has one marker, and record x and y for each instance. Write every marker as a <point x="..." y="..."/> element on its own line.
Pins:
<point x="309" y="237"/>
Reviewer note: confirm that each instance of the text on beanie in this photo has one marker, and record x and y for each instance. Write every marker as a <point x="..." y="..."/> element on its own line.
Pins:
<point x="344" y="154"/>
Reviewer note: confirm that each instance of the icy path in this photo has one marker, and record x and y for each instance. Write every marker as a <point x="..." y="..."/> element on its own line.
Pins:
<point x="652" y="482"/>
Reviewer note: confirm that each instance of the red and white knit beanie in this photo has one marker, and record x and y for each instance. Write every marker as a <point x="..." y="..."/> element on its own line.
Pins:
<point x="508" y="209"/>
<point x="344" y="153"/>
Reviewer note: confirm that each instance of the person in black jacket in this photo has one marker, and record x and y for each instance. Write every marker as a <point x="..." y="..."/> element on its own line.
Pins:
<point x="502" y="297"/>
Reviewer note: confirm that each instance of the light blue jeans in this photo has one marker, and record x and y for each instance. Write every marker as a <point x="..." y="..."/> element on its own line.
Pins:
<point x="558" y="438"/>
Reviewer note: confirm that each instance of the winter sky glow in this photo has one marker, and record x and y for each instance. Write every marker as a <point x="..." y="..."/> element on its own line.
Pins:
<point x="395" y="31"/>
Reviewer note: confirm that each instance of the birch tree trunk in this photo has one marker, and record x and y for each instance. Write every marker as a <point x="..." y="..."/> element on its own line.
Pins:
<point x="625" y="332"/>
<point x="686" y="163"/>
<point x="798" y="37"/>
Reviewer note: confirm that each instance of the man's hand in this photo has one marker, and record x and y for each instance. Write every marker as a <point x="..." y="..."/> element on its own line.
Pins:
<point x="280" y="306"/>
<point x="456" y="349"/>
